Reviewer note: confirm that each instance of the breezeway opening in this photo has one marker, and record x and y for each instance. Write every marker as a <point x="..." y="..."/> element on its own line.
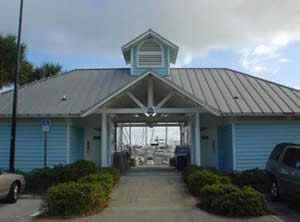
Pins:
<point x="149" y="145"/>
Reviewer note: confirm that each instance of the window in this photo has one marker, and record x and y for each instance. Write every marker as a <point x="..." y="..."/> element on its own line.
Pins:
<point x="150" y="54"/>
<point x="292" y="157"/>
<point x="277" y="152"/>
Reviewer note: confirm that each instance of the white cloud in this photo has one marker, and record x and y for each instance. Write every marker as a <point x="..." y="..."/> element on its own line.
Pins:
<point x="266" y="58"/>
<point x="283" y="60"/>
<point x="100" y="28"/>
<point x="262" y="50"/>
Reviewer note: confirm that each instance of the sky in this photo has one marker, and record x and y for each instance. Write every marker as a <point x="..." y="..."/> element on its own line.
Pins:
<point x="259" y="37"/>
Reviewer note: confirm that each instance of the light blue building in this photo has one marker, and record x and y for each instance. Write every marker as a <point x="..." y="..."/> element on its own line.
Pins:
<point x="231" y="120"/>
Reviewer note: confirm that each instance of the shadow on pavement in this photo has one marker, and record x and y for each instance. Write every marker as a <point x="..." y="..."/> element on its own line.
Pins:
<point x="285" y="209"/>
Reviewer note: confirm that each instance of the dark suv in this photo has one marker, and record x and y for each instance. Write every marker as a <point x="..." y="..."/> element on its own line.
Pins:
<point x="284" y="167"/>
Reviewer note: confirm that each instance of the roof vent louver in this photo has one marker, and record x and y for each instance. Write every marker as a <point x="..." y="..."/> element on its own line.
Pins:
<point x="150" y="54"/>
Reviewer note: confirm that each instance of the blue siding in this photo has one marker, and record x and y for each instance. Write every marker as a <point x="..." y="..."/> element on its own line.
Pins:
<point x="225" y="148"/>
<point x="254" y="140"/>
<point x="161" y="70"/>
<point x="76" y="144"/>
<point x="30" y="145"/>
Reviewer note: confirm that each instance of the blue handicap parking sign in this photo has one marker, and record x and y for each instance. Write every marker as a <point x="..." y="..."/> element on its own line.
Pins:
<point x="46" y="125"/>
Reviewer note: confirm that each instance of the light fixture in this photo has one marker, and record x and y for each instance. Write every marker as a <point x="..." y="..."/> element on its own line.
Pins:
<point x="150" y="112"/>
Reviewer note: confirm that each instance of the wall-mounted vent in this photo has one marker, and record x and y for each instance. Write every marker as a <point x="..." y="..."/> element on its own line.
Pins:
<point x="150" y="54"/>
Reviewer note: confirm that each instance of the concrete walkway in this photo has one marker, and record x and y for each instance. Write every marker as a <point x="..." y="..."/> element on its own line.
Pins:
<point x="156" y="194"/>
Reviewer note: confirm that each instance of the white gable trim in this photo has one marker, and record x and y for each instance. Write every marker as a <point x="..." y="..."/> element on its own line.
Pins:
<point x="167" y="82"/>
<point x="155" y="35"/>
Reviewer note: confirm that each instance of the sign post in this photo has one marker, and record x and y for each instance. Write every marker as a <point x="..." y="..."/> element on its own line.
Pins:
<point x="45" y="129"/>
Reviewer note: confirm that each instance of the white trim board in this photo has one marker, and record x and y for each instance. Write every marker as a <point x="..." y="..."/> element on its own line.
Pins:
<point x="167" y="82"/>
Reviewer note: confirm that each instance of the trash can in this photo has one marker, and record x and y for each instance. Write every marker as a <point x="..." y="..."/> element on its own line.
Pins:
<point x="181" y="155"/>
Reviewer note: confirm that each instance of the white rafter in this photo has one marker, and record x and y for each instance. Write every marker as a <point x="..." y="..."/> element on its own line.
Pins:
<point x="150" y="92"/>
<point x="164" y="100"/>
<point x="136" y="100"/>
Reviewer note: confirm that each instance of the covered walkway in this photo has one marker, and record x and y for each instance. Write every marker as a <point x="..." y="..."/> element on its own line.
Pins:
<point x="154" y="194"/>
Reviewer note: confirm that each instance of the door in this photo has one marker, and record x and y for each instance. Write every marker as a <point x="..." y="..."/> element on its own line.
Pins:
<point x="92" y="145"/>
<point x="208" y="149"/>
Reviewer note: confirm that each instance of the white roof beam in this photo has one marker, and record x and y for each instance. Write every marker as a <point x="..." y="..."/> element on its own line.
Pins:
<point x="164" y="100"/>
<point x="136" y="100"/>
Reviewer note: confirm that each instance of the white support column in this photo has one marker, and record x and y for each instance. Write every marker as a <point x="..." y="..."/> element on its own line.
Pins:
<point x="104" y="162"/>
<point x="130" y="135"/>
<point x="166" y="138"/>
<point x="197" y="140"/>
<point x="150" y="92"/>
<point x="120" y="138"/>
<point x="146" y="136"/>
<point x="181" y="137"/>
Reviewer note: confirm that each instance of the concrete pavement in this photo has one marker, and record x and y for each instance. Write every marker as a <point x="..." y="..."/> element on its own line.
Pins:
<point x="154" y="194"/>
<point x="20" y="211"/>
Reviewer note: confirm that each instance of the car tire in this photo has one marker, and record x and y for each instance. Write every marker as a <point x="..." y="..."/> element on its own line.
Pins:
<point x="13" y="193"/>
<point x="274" y="191"/>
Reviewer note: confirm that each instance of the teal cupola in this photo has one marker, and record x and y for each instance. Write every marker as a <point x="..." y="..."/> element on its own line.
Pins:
<point x="150" y="52"/>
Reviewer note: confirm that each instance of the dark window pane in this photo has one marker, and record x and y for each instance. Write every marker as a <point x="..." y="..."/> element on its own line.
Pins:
<point x="276" y="152"/>
<point x="292" y="157"/>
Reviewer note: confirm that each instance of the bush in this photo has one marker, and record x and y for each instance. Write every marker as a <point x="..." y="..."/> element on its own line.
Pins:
<point x="71" y="199"/>
<point x="256" y="178"/>
<point x="198" y="179"/>
<point x="193" y="168"/>
<point x="116" y="174"/>
<point x="103" y="179"/>
<point x="230" y="200"/>
<point x="210" y="192"/>
<point x="39" y="180"/>
<point x="188" y="171"/>
<point x="80" y="169"/>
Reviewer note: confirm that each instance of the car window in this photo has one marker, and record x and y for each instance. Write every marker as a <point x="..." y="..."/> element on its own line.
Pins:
<point x="276" y="152"/>
<point x="292" y="157"/>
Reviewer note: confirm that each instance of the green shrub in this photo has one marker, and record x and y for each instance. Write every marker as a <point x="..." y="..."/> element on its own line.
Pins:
<point x="113" y="171"/>
<point x="230" y="200"/>
<point x="39" y="180"/>
<point x="71" y="199"/>
<point x="256" y="178"/>
<point x="193" y="168"/>
<point x="103" y="179"/>
<point x="198" y="179"/>
<point x="188" y="171"/>
<point x="80" y="169"/>
<point x="210" y="192"/>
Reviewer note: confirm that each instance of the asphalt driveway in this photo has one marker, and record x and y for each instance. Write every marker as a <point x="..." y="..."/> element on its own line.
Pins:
<point x="20" y="211"/>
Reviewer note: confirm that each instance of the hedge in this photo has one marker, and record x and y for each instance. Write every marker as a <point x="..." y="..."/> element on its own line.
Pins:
<point x="116" y="174"/>
<point x="87" y="195"/>
<point x="258" y="179"/>
<point x="230" y="200"/>
<point x="72" y="199"/>
<point x="39" y="180"/>
<point x="104" y="179"/>
<point x="197" y="177"/>
<point x="217" y="194"/>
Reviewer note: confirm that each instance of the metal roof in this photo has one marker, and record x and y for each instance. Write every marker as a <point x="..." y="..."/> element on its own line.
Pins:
<point x="228" y="91"/>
